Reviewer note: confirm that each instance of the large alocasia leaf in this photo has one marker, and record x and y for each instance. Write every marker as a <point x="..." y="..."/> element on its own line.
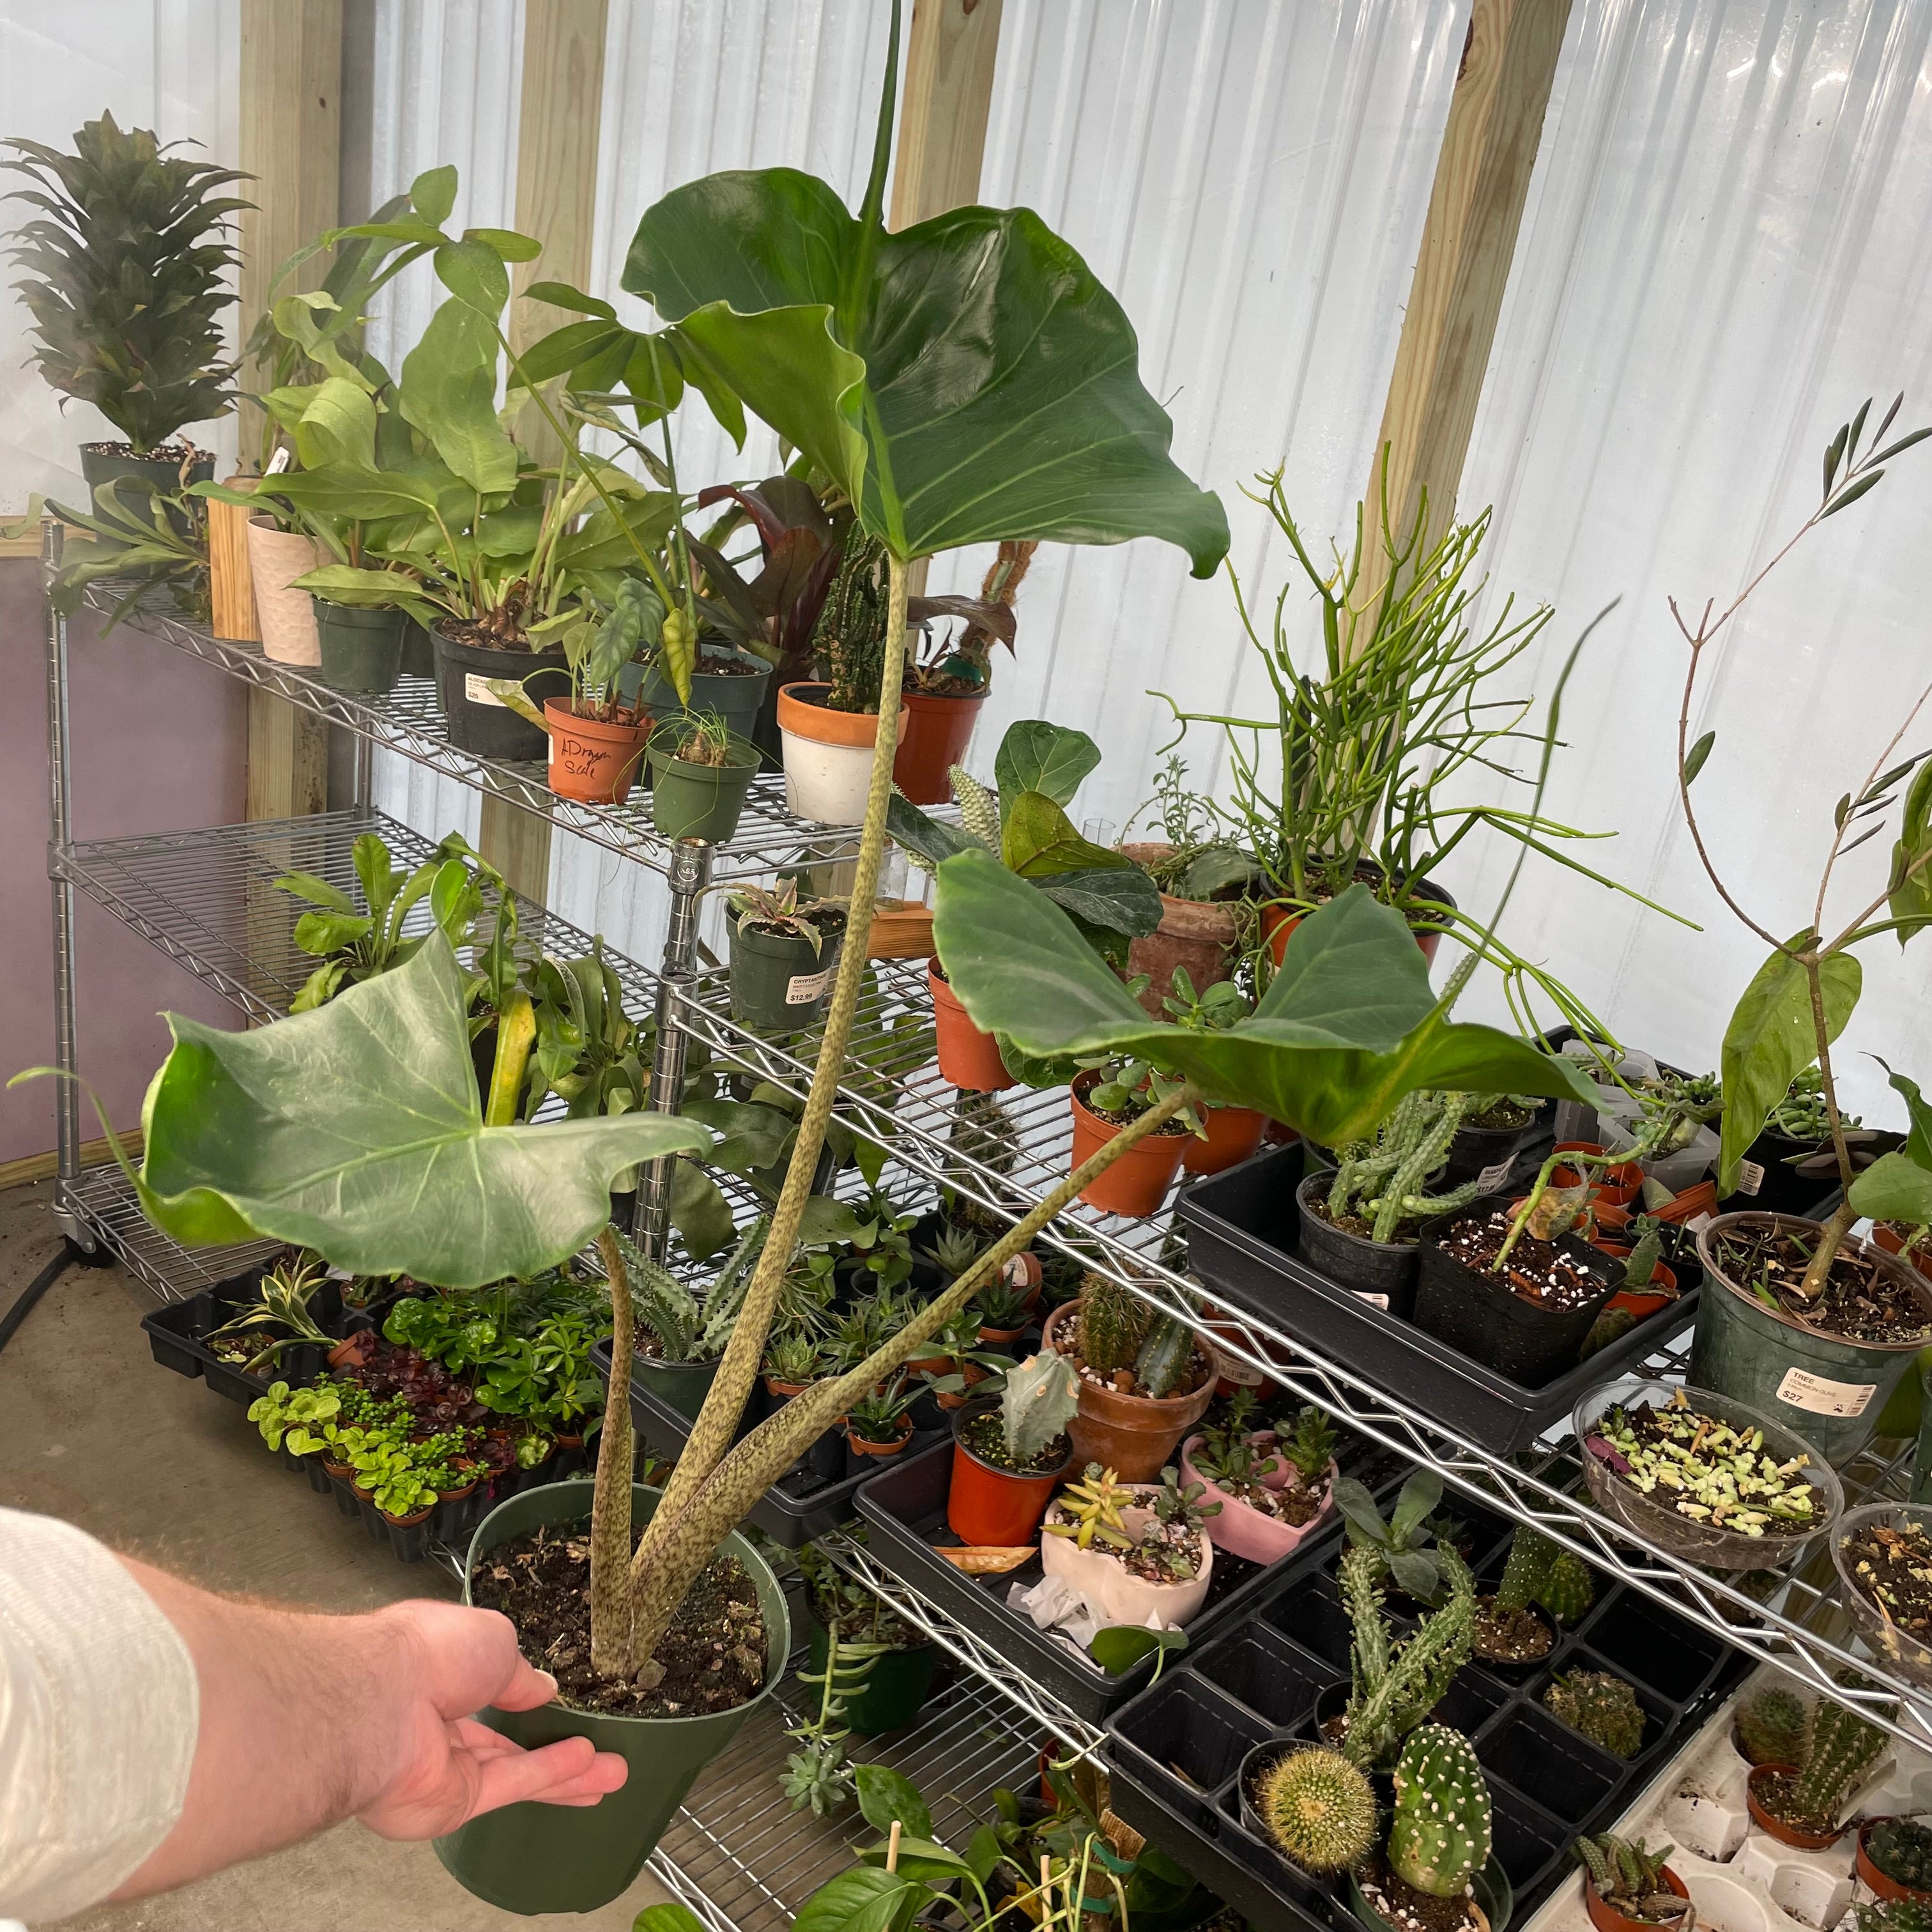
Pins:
<point x="1771" y="1039"/>
<point x="357" y="1131"/>
<point x="965" y="379"/>
<point x="1348" y="1026"/>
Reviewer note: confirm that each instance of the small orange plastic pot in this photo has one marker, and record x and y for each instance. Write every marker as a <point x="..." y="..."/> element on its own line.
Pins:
<point x="968" y="1058"/>
<point x="1767" y="1821"/>
<point x="590" y="761"/>
<point x="1605" y="1917"/>
<point x="1138" y="1182"/>
<point x="1279" y="922"/>
<point x="933" y="740"/>
<point x="1234" y="1133"/>
<point x="1866" y="1867"/>
<point x="1619" y="1185"/>
<point x="1886" y="1236"/>
<point x="1641" y="1304"/>
<point x="987" y="1506"/>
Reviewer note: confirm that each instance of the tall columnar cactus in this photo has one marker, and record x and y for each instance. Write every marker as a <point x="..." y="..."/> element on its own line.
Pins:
<point x="1114" y="1321"/>
<point x="1531" y="1554"/>
<point x="1567" y="1590"/>
<point x="1382" y="1180"/>
<point x="1319" y="1808"/>
<point x="1839" y="1748"/>
<point x="1394" y="1687"/>
<point x="1164" y="1355"/>
<point x="1771" y="1726"/>
<point x="1603" y="1708"/>
<point x="1440" y="1833"/>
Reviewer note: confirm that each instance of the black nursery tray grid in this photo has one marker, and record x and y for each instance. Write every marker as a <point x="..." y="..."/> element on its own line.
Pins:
<point x="1177" y="1749"/>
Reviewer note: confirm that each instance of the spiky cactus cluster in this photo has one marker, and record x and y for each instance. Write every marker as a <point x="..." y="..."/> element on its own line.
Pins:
<point x="1627" y="1874"/>
<point x="1526" y="1570"/>
<point x="1319" y="1808"/>
<point x="1440" y="1833"/>
<point x="1895" y="1914"/>
<point x="1603" y="1708"/>
<point x="1113" y="1323"/>
<point x="1839" y="1748"/>
<point x="1394" y="1687"/>
<point x="1567" y="1591"/>
<point x="1770" y="1727"/>
<point x="1902" y="1849"/>
<point x="1381" y="1180"/>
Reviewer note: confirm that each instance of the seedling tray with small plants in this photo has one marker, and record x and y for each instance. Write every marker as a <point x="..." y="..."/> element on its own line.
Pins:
<point x="178" y="1337"/>
<point x="1177" y="1749"/>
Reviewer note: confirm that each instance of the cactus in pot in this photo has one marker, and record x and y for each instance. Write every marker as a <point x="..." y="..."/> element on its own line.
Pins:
<point x="1603" y="1708"/>
<point x="1770" y="1727"/>
<point x="1394" y="1687"/>
<point x="1319" y="1808"/>
<point x="1383" y="1181"/>
<point x="1114" y="1324"/>
<point x="1567" y="1590"/>
<point x="1839" y="1750"/>
<point x="1440" y="1833"/>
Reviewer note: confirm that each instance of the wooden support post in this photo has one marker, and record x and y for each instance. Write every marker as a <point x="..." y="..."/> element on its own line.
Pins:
<point x="948" y="93"/>
<point x="556" y="202"/>
<point x="291" y="128"/>
<point x="1468" y="242"/>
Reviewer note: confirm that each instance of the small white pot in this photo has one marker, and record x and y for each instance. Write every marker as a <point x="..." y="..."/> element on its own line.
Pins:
<point x="828" y="758"/>
<point x="1115" y="1595"/>
<point x="287" y="617"/>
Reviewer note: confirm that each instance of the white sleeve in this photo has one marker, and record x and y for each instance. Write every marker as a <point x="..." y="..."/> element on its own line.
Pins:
<point x="99" y="1710"/>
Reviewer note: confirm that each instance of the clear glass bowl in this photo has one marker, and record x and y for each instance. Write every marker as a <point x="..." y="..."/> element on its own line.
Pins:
<point x="1905" y="1656"/>
<point x="1682" y="1536"/>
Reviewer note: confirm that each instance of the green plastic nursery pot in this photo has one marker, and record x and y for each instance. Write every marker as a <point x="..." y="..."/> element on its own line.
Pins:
<point x="1831" y="1392"/>
<point x="736" y="696"/>
<point x="693" y="801"/>
<point x="554" y="1858"/>
<point x="683" y="1385"/>
<point x="362" y="648"/>
<point x="895" y="1688"/>
<point x="102" y="463"/>
<point x="778" y="984"/>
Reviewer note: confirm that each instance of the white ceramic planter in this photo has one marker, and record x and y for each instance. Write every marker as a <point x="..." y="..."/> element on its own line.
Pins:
<point x="1116" y="1597"/>
<point x="828" y="758"/>
<point x="287" y="617"/>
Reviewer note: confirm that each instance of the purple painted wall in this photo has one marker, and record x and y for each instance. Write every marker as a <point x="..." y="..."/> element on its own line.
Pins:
<point x="160" y="743"/>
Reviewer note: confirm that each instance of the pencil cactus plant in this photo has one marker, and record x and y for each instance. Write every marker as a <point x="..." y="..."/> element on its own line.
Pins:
<point x="1319" y="1808"/>
<point x="1440" y="1833"/>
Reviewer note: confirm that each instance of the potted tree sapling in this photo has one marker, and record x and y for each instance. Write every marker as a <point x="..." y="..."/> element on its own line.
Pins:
<point x="1798" y="1318"/>
<point x="784" y="954"/>
<point x="701" y="773"/>
<point x="1009" y="1453"/>
<point x="125" y="273"/>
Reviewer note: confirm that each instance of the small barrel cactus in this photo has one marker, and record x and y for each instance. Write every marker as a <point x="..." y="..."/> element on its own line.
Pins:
<point x="1903" y="1851"/>
<point x="1531" y="1554"/>
<point x="1895" y="1915"/>
<point x="1840" y="1748"/>
<point x="1567" y="1591"/>
<point x="1771" y="1726"/>
<point x="1113" y="1322"/>
<point x="1319" y="1809"/>
<point x="1603" y="1708"/>
<point x="1440" y="1833"/>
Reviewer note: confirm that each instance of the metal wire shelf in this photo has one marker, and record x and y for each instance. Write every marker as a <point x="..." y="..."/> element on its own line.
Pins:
<point x="1005" y="1152"/>
<point x="408" y="721"/>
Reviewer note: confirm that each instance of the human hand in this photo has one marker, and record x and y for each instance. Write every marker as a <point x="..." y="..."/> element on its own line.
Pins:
<point x="448" y="1767"/>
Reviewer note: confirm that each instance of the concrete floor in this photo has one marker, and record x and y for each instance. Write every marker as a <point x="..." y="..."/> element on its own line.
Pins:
<point x="181" y="1479"/>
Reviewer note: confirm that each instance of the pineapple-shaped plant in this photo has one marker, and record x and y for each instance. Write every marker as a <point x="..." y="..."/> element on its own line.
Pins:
<point x="1441" y="1832"/>
<point x="1319" y="1808"/>
<point x="1603" y="1708"/>
<point x="1113" y="1323"/>
<point x="1771" y="1726"/>
<point x="1902" y="1849"/>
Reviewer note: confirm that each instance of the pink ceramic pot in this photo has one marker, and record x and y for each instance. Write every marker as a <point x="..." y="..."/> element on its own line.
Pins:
<point x="1242" y="1530"/>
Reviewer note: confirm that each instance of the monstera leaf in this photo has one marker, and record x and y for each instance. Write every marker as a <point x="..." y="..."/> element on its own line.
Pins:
<point x="1348" y="1026"/>
<point x="356" y="1130"/>
<point x="965" y="379"/>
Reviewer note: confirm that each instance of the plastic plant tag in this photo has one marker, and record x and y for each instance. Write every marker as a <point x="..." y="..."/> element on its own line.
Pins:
<point x="1803" y="1390"/>
<point x="1493" y="1176"/>
<point x="476" y="688"/>
<point x="1750" y="1177"/>
<point x="802" y="989"/>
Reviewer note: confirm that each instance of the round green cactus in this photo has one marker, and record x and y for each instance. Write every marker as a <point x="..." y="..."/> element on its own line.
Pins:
<point x="1320" y="1809"/>
<point x="1567" y="1591"/>
<point x="1440" y="1833"/>
<point x="1603" y="1708"/>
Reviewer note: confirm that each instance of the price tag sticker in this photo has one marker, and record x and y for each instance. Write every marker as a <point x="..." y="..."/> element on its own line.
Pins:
<point x="1803" y="1390"/>
<point x="802" y="989"/>
<point x="1374" y="1301"/>
<point x="1493" y="1176"/>
<point x="476" y="688"/>
<point x="1243" y="1374"/>
<point x="1750" y="1177"/>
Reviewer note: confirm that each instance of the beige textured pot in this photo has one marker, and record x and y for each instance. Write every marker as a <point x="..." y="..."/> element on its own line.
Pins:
<point x="1196" y="934"/>
<point x="287" y="617"/>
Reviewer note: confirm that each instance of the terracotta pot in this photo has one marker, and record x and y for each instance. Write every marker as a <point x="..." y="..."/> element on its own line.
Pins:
<point x="1786" y="1834"/>
<point x="1134" y="1435"/>
<point x="986" y="1505"/>
<point x="968" y="1058"/>
<point x="860" y="1446"/>
<point x="1867" y="1869"/>
<point x="1240" y="1528"/>
<point x="1606" y="1918"/>
<point x="1233" y="1134"/>
<point x="1884" y="1236"/>
<point x="1278" y="922"/>
<point x="1196" y="934"/>
<point x="590" y="760"/>
<point x="1000" y="1338"/>
<point x="1619" y="1186"/>
<point x="828" y="756"/>
<point x="1104" y="1581"/>
<point x="1137" y="1181"/>
<point x="932" y="740"/>
<point x="287" y="617"/>
<point x="1641" y="1304"/>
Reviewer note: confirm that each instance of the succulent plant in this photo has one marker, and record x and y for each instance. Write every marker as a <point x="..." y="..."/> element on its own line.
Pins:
<point x="1164" y="1355"/>
<point x="1441" y="1832"/>
<point x="1901" y="1848"/>
<point x="1567" y="1591"/>
<point x="1319" y="1808"/>
<point x="1040" y="1398"/>
<point x="1094" y="1505"/>
<point x="1771" y="1726"/>
<point x="1629" y="1877"/>
<point x="1383" y="1181"/>
<point x="1895" y="1914"/>
<point x="1612" y="1325"/>
<point x="1526" y="1570"/>
<point x="1603" y="1708"/>
<point x="1311" y="1448"/>
<point x="1839" y="1748"/>
<point x="1394" y="1687"/>
<point x="1112" y="1324"/>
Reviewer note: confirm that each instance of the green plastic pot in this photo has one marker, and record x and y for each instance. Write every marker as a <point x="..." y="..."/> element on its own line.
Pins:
<point x="779" y="983"/>
<point x="556" y="1858"/>
<point x="362" y="648"/>
<point x="418" y="651"/>
<point x="683" y="1385"/>
<point x="737" y="698"/>
<point x="1742" y="1348"/>
<point x="693" y="801"/>
<point x="898" y="1684"/>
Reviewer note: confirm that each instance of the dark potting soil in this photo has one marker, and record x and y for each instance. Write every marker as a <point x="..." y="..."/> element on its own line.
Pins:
<point x="829" y="920"/>
<point x="1502" y="1113"/>
<point x="1511" y="1637"/>
<point x="985" y="1436"/>
<point x="1125" y="1116"/>
<point x="713" y="1655"/>
<point x="1893" y="1566"/>
<point x="1860" y="1301"/>
<point x="501" y="629"/>
<point x="1778" y="1794"/>
<point x="1405" y="1234"/>
<point x="711" y="664"/>
<point x="1538" y="1271"/>
<point x="163" y="452"/>
<point x="1409" y="1910"/>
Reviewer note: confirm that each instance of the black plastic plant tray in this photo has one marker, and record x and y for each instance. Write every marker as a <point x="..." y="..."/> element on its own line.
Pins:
<point x="176" y="1337"/>
<point x="800" y="1505"/>
<point x="1244" y="1230"/>
<point x="1176" y="1749"/>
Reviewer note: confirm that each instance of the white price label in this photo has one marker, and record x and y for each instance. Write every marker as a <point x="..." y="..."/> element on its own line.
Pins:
<point x="802" y="989"/>
<point x="1750" y="1177"/>
<point x="1243" y="1374"/>
<point x="1803" y="1390"/>
<point x="1493" y="1176"/>
<point x="1022" y="1272"/>
<point x="477" y="690"/>
<point x="1374" y="1301"/>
